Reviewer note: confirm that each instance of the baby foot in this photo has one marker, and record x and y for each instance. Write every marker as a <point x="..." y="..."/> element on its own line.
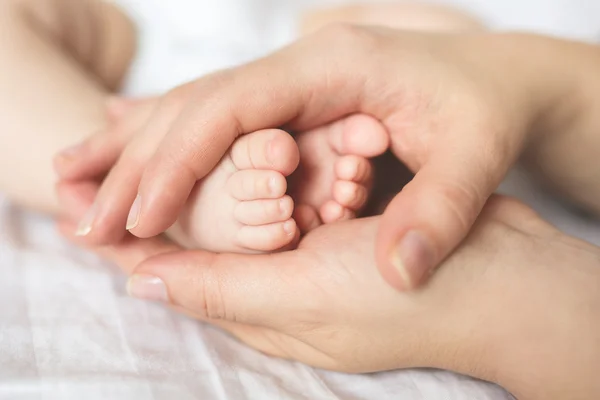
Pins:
<point x="242" y="205"/>
<point x="334" y="178"/>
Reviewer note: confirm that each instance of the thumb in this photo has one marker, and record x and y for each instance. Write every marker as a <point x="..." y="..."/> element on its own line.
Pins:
<point x="433" y="214"/>
<point x="248" y="289"/>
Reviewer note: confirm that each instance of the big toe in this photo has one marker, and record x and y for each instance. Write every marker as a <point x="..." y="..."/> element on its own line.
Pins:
<point x="269" y="149"/>
<point x="359" y="134"/>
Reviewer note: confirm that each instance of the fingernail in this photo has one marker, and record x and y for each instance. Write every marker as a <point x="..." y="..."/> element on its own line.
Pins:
<point x="147" y="287"/>
<point x="85" y="225"/>
<point x="413" y="258"/>
<point x="134" y="213"/>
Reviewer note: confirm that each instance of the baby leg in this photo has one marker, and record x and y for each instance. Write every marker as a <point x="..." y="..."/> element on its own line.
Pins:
<point x="58" y="61"/>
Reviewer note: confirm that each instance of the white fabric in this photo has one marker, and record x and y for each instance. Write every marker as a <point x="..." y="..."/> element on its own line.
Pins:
<point x="67" y="329"/>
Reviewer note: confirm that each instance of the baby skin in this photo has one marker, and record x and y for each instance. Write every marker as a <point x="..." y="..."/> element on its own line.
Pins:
<point x="252" y="202"/>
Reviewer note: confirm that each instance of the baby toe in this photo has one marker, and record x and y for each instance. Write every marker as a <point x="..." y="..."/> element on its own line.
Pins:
<point x="253" y="184"/>
<point x="333" y="211"/>
<point x="306" y="217"/>
<point x="271" y="149"/>
<point x="355" y="169"/>
<point x="350" y="194"/>
<point x="359" y="134"/>
<point x="267" y="237"/>
<point x="264" y="212"/>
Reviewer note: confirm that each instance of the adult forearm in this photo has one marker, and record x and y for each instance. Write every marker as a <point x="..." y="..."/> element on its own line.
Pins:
<point x="565" y="152"/>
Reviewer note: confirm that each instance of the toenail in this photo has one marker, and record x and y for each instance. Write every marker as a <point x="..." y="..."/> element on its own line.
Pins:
<point x="273" y="186"/>
<point x="289" y="227"/>
<point x="271" y="151"/>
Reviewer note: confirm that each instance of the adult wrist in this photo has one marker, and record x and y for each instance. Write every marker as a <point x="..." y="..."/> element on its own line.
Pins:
<point x="556" y="75"/>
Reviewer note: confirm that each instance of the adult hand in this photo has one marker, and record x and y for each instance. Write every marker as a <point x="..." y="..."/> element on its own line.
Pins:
<point x="507" y="306"/>
<point x="457" y="116"/>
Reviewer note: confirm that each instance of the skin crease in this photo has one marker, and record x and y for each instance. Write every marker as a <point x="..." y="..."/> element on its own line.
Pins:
<point x="505" y="307"/>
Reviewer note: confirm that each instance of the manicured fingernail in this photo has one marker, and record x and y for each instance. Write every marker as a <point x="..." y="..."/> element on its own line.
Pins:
<point x="147" y="287"/>
<point x="413" y="258"/>
<point x="134" y="213"/>
<point x="85" y="225"/>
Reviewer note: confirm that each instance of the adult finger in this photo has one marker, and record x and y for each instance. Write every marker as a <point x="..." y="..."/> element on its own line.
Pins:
<point x="98" y="153"/>
<point x="434" y="213"/>
<point x="247" y="289"/>
<point x="131" y="251"/>
<point x="127" y="253"/>
<point x="106" y="221"/>
<point x="91" y="158"/>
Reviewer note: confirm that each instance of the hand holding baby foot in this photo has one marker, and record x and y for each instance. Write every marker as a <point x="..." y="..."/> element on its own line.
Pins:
<point x="334" y="179"/>
<point x="242" y="204"/>
<point x="454" y="114"/>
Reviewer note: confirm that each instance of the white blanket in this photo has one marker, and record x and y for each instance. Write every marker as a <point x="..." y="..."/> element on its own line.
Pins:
<point x="68" y="330"/>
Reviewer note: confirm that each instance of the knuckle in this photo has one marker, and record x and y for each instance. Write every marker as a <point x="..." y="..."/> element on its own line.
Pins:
<point x="209" y="294"/>
<point x="463" y="202"/>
